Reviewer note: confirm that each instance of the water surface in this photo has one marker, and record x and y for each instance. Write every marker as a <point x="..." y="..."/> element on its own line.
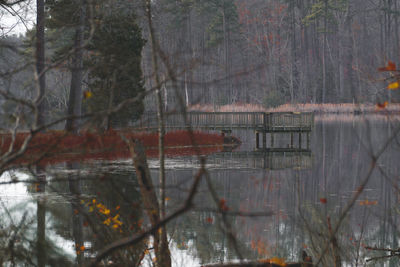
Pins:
<point x="291" y="201"/>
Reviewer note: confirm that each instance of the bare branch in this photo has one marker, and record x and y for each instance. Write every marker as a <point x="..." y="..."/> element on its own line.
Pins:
<point x="139" y="237"/>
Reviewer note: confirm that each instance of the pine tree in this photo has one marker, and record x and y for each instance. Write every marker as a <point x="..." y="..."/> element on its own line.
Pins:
<point x="115" y="70"/>
<point x="112" y="57"/>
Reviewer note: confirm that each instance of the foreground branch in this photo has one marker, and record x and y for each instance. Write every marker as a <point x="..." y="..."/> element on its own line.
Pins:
<point x="393" y="253"/>
<point x="149" y="197"/>
<point x="360" y="189"/>
<point x="129" y="241"/>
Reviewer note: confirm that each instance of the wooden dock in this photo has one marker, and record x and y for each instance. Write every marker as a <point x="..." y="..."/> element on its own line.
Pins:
<point x="258" y="121"/>
<point x="261" y="122"/>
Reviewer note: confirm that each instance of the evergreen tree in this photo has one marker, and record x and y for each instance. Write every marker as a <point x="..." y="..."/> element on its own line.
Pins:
<point x="115" y="70"/>
<point x="111" y="59"/>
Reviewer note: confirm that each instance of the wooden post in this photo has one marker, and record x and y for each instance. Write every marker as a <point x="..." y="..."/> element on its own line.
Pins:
<point x="257" y="140"/>
<point x="308" y="140"/>
<point x="265" y="120"/>
<point x="264" y="134"/>
<point x="225" y="132"/>
<point x="269" y="163"/>
<point x="264" y="160"/>
<point x="272" y="140"/>
<point x="299" y="140"/>
<point x="291" y="140"/>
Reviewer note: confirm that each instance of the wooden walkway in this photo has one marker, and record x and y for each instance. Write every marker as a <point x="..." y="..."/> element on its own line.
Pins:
<point x="259" y="121"/>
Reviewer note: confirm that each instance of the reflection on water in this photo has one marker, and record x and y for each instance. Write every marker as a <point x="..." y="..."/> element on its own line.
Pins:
<point x="90" y="205"/>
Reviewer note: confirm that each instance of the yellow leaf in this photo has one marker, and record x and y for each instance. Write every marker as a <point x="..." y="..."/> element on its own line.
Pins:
<point x="91" y="209"/>
<point x="393" y="86"/>
<point x="115" y="226"/>
<point x="107" y="222"/>
<point x="116" y="221"/>
<point x="87" y="94"/>
<point x="94" y="200"/>
<point x="167" y="199"/>
<point x="103" y="209"/>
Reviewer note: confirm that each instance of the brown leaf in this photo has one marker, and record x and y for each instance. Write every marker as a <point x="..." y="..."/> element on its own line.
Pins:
<point x="390" y="67"/>
<point x="382" y="105"/>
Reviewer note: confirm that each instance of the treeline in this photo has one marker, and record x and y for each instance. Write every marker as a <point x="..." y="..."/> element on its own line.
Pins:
<point x="90" y="61"/>
<point x="267" y="52"/>
<point x="272" y="52"/>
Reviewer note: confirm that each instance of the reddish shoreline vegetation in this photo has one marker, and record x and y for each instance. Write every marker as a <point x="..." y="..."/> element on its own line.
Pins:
<point x="58" y="146"/>
<point x="328" y="108"/>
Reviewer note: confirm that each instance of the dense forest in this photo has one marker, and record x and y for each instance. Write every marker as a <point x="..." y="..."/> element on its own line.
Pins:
<point x="274" y="52"/>
<point x="222" y="52"/>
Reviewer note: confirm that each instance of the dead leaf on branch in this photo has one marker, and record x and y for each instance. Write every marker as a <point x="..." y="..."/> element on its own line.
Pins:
<point x="391" y="66"/>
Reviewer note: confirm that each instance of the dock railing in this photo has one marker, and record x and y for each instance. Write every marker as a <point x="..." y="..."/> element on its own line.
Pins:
<point x="261" y="121"/>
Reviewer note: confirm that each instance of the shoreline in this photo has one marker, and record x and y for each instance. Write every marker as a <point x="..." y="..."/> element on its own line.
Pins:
<point x="318" y="109"/>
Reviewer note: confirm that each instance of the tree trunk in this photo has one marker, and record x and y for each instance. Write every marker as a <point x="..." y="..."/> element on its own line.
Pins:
<point x="341" y="61"/>
<point x="75" y="93"/>
<point x="40" y="120"/>
<point x="293" y="69"/>
<point x="76" y="212"/>
<point x="164" y="256"/>
<point x="150" y="203"/>
<point x="324" y="53"/>
<point x="40" y="61"/>
<point x="41" y="222"/>
<point x="396" y="32"/>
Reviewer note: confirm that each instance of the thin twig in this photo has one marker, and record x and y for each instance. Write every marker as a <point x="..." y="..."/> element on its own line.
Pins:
<point x="139" y="237"/>
<point x="360" y="189"/>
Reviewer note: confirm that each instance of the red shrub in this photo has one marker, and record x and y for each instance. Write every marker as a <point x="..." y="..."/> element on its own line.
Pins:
<point x="58" y="146"/>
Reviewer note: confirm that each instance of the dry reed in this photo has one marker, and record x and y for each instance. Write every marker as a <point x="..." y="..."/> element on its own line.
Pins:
<point x="328" y="108"/>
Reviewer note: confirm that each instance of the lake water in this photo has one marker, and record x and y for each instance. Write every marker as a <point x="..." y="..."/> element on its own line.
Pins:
<point x="288" y="202"/>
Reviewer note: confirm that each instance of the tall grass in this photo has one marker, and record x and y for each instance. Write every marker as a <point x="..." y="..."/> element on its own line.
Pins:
<point x="238" y="107"/>
<point x="336" y="108"/>
<point x="316" y="108"/>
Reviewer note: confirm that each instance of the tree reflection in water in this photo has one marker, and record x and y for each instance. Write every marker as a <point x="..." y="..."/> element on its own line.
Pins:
<point x="82" y="203"/>
<point x="71" y="217"/>
<point x="105" y="207"/>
